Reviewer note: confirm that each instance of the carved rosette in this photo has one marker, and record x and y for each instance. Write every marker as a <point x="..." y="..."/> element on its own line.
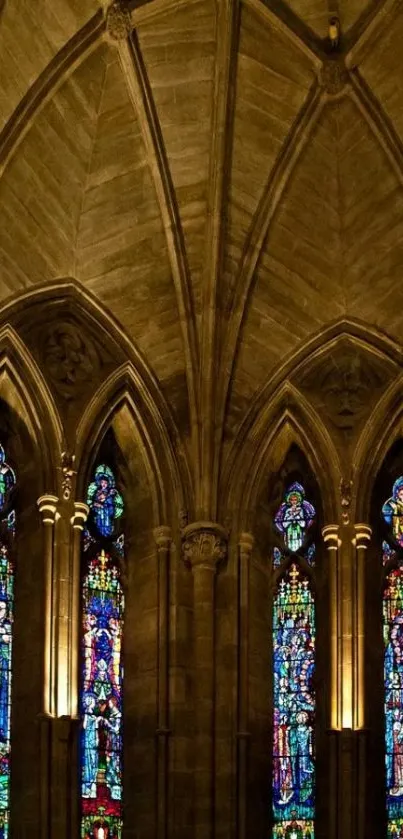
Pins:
<point x="333" y="76"/>
<point x="118" y="21"/>
<point x="204" y="545"/>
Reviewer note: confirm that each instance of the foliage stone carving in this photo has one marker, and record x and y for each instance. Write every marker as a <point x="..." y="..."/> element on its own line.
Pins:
<point x="70" y="359"/>
<point x="118" y="21"/>
<point x="204" y="544"/>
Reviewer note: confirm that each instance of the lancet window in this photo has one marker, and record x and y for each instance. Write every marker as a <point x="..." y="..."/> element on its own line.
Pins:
<point x="7" y="536"/>
<point x="101" y="697"/>
<point x="392" y="559"/>
<point x="293" y="643"/>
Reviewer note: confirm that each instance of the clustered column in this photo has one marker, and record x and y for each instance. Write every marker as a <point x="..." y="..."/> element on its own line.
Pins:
<point x="204" y="548"/>
<point x="63" y="521"/>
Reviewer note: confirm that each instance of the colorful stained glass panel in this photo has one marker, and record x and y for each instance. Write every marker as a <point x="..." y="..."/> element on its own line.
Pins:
<point x="393" y="674"/>
<point x="294" y="517"/>
<point x="7" y="483"/>
<point x="293" y="791"/>
<point x="105" y="501"/>
<point x="387" y="553"/>
<point x="101" y="701"/>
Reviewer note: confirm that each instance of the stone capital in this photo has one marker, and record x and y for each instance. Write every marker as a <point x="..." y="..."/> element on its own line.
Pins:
<point x="47" y="506"/>
<point x="204" y="544"/>
<point x="246" y="542"/>
<point x="81" y="512"/>
<point x="362" y="537"/>
<point x="118" y="21"/>
<point x="163" y="538"/>
<point x="331" y="538"/>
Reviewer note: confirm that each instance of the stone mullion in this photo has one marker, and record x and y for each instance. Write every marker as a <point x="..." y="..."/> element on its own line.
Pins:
<point x="47" y="505"/>
<point x="162" y="536"/>
<point x="361" y="542"/>
<point x="77" y="521"/>
<point x="332" y="544"/>
<point x="204" y="547"/>
<point x="245" y="552"/>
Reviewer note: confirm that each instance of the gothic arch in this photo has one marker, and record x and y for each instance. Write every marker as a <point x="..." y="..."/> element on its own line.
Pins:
<point x="123" y="393"/>
<point x="383" y="428"/>
<point x="286" y="419"/>
<point x="24" y="389"/>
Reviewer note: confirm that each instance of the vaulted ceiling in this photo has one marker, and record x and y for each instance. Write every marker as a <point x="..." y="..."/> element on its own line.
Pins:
<point x="222" y="181"/>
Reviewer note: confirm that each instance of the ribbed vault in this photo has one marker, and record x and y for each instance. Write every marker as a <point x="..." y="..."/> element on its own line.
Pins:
<point x="223" y="184"/>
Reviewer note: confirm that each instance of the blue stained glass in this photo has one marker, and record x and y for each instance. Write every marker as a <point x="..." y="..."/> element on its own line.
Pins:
<point x="310" y="555"/>
<point x="294" y="517"/>
<point x="387" y="553"/>
<point x="101" y="701"/>
<point x="277" y="557"/>
<point x="104" y="500"/>
<point x="7" y="483"/>
<point x="119" y="544"/>
<point x="293" y="791"/>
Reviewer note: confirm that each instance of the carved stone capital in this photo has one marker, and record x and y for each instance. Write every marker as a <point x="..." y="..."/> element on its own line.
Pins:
<point x="334" y="76"/>
<point x="68" y="473"/>
<point x="204" y="544"/>
<point x="81" y="513"/>
<point x="118" y="21"/>
<point x="330" y="535"/>
<point x="246" y="542"/>
<point x="362" y="536"/>
<point x="47" y="505"/>
<point x="163" y="538"/>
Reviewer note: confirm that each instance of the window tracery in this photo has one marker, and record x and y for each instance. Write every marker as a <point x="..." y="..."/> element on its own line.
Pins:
<point x="7" y="534"/>
<point x="392" y="558"/>
<point x="102" y="666"/>
<point x="294" y="705"/>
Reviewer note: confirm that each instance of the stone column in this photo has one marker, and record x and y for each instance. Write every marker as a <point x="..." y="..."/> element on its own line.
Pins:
<point x="78" y="520"/>
<point x="47" y="505"/>
<point x="331" y="539"/>
<point x="204" y="547"/>
<point x="245" y="552"/>
<point x="162" y="536"/>
<point x="361" y="542"/>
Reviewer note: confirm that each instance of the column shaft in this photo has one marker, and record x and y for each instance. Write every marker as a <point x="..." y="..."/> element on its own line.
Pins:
<point x="245" y="551"/>
<point x="204" y="546"/>
<point x="162" y="537"/>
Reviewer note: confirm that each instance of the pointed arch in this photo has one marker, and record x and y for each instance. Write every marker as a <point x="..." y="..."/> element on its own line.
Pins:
<point x="158" y="443"/>
<point x="24" y="389"/>
<point x="288" y="418"/>
<point x="383" y="428"/>
<point x="131" y="372"/>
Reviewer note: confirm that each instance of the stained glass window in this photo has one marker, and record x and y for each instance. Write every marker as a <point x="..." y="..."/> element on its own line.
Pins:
<point x="293" y="782"/>
<point x="7" y="531"/>
<point x="392" y="512"/>
<point x="102" y="667"/>
<point x="293" y="521"/>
